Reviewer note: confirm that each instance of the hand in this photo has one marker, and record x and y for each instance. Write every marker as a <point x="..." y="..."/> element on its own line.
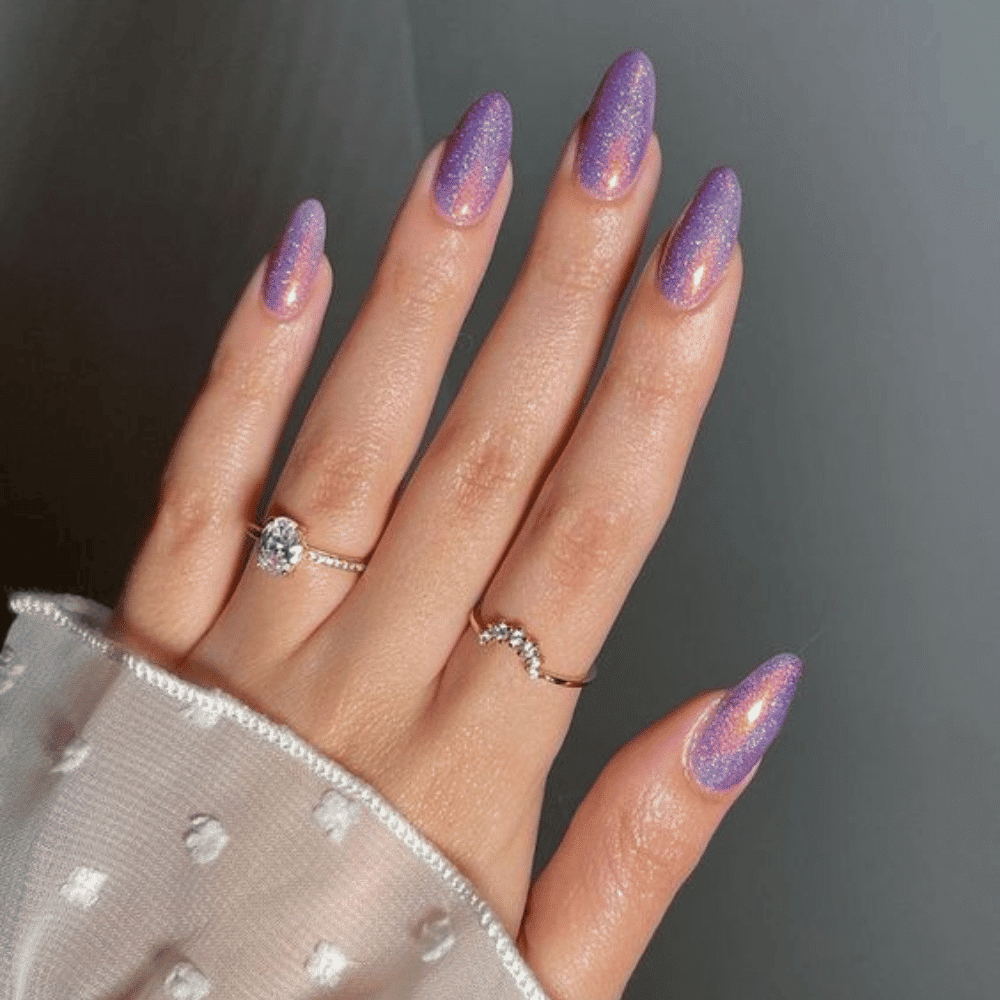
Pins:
<point x="523" y="505"/>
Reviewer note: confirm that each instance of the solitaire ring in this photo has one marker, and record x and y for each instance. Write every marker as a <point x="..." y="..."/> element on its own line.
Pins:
<point x="521" y="641"/>
<point x="281" y="546"/>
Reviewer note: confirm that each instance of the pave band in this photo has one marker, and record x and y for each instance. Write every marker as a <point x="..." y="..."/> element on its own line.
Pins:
<point x="526" y="647"/>
<point x="281" y="546"/>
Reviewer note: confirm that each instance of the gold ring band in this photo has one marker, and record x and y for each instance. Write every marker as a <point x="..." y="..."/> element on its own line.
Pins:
<point x="281" y="546"/>
<point x="525" y="645"/>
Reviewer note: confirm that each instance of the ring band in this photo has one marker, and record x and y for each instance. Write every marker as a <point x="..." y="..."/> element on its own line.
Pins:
<point x="526" y="647"/>
<point x="281" y="546"/>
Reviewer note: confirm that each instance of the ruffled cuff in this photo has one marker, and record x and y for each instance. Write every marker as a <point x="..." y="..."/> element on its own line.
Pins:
<point x="158" y="839"/>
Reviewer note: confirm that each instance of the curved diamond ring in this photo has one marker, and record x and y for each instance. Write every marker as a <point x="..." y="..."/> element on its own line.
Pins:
<point x="526" y="647"/>
<point x="281" y="546"/>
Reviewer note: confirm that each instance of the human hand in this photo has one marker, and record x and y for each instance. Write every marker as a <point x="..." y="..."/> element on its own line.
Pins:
<point x="522" y="504"/>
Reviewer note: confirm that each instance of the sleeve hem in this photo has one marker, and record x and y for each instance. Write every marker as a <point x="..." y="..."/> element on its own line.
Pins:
<point x="80" y="617"/>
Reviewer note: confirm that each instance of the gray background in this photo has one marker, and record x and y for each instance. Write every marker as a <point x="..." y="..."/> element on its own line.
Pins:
<point x="841" y="501"/>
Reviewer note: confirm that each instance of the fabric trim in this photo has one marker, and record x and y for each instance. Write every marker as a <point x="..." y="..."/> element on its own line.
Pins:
<point x="57" y="609"/>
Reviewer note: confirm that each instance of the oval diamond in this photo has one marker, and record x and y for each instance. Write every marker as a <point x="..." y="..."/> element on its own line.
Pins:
<point x="280" y="547"/>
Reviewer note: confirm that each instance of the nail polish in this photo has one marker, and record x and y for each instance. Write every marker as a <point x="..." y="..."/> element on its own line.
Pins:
<point x="474" y="159"/>
<point x="727" y="744"/>
<point x="294" y="261"/>
<point x="617" y="126"/>
<point x="698" y="250"/>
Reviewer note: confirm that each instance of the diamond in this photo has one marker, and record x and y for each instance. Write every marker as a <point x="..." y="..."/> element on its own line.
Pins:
<point x="516" y="638"/>
<point x="281" y="546"/>
<point x="528" y="650"/>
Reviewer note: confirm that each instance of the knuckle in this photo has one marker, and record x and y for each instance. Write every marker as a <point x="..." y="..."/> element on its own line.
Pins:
<point x="335" y="474"/>
<point x="488" y="467"/>
<point x="581" y="275"/>
<point x="580" y="543"/>
<point x="653" y="392"/>
<point x="420" y="288"/>
<point x="640" y="853"/>
<point x="247" y="378"/>
<point x="657" y="375"/>
<point x="189" y="512"/>
<point x="584" y="259"/>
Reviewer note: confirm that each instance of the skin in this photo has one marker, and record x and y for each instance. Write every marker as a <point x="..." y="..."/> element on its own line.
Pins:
<point x="544" y="513"/>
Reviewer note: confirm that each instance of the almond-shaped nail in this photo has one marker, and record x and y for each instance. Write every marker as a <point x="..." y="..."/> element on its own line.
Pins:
<point x="617" y="126"/>
<point x="294" y="261"/>
<point x="474" y="159"/>
<point x="728" y="743"/>
<point x="699" y="248"/>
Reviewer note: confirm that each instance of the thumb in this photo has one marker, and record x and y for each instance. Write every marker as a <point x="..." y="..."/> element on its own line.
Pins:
<point x="641" y="830"/>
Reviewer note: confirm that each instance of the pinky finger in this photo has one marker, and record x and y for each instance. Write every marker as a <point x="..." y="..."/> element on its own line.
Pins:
<point x="188" y="564"/>
<point x="641" y="830"/>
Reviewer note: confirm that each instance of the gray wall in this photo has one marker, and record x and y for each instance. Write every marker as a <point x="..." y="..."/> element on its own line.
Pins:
<point x="842" y="498"/>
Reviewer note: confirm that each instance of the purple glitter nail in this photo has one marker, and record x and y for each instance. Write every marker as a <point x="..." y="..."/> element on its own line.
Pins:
<point x="701" y="244"/>
<point x="474" y="161"/>
<point x="293" y="262"/>
<point x="729" y="742"/>
<point x="617" y="127"/>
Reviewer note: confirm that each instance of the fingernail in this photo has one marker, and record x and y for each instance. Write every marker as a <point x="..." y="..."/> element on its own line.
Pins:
<point x="294" y="261"/>
<point x="699" y="248"/>
<point x="728" y="743"/>
<point x="617" y="127"/>
<point x="474" y="160"/>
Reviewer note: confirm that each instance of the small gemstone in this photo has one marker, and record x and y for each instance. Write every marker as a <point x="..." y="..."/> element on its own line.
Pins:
<point x="516" y="638"/>
<point x="280" y="547"/>
<point x="528" y="650"/>
<point x="534" y="668"/>
<point x="502" y="630"/>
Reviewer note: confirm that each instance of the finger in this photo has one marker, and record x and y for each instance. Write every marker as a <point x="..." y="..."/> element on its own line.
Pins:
<point x="522" y="394"/>
<point x="641" y="830"/>
<point x="607" y="498"/>
<point x="367" y="419"/>
<point x="188" y="564"/>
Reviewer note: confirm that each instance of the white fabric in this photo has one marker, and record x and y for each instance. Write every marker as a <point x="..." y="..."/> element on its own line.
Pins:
<point x="161" y="840"/>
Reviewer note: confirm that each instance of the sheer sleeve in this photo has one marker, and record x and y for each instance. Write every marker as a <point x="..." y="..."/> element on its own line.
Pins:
<point x="158" y="839"/>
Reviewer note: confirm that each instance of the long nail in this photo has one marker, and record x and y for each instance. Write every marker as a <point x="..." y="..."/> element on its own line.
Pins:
<point x="699" y="248"/>
<point x="294" y="261"/>
<point x="474" y="160"/>
<point x="617" y="127"/>
<point x="727" y="744"/>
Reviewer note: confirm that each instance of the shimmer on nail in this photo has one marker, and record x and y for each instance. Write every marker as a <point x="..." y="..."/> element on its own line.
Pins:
<point x="474" y="161"/>
<point x="701" y="244"/>
<point x="294" y="261"/>
<point x="616" y="129"/>
<point x="729" y="743"/>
